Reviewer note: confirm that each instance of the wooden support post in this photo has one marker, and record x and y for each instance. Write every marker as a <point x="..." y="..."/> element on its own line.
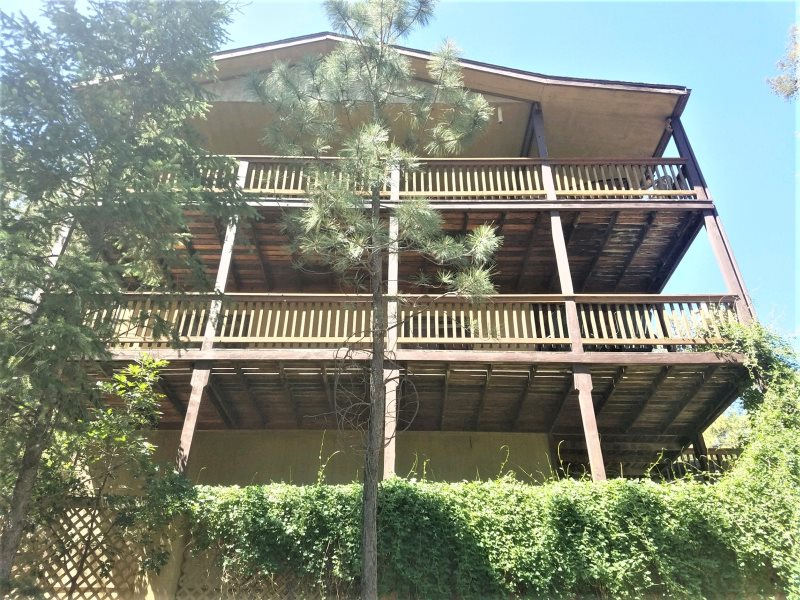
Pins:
<point x="391" y="375"/>
<point x="583" y="385"/>
<point x="727" y="265"/>
<point x="701" y="452"/>
<point x="559" y="244"/>
<point x="202" y="372"/>
<point x="716" y="234"/>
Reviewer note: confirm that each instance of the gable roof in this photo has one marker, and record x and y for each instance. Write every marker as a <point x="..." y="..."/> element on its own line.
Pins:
<point x="626" y="118"/>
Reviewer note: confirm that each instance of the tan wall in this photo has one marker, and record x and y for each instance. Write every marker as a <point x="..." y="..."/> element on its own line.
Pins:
<point x="255" y="457"/>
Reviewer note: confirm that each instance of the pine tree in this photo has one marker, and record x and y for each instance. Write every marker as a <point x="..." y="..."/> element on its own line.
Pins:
<point x="346" y="102"/>
<point x="96" y="111"/>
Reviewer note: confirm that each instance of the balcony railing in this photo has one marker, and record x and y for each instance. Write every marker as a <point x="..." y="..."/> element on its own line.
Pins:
<point x="510" y="322"/>
<point x="492" y="179"/>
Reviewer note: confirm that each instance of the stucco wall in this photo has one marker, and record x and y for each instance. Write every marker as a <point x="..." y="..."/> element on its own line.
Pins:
<point x="244" y="457"/>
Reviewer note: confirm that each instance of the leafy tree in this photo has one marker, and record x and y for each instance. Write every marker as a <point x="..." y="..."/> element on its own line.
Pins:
<point x="787" y="84"/>
<point x="345" y="102"/>
<point x="730" y="430"/>
<point x="104" y="464"/>
<point x="96" y="111"/>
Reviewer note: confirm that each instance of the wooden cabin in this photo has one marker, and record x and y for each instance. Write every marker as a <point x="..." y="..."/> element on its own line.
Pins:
<point x="578" y="363"/>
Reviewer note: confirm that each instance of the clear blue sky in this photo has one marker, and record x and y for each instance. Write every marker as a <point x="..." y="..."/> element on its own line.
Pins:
<point x="744" y="137"/>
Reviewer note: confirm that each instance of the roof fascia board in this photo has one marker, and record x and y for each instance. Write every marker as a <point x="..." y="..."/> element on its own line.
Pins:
<point x="467" y="64"/>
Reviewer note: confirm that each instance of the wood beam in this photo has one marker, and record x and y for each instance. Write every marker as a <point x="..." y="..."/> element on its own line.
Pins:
<point x="637" y="244"/>
<point x="615" y="381"/>
<point x="568" y="233"/>
<point x="287" y="389"/>
<point x="516" y="411"/>
<point x="681" y="241"/>
<point x="169" y="393"/>
<point x="569" y="392"/>
<point x="391" y="375"/>
<point x="728" y="266"/>
<point x="482" y="401"/>
<point x="251" y="395"/>
<point x="328" y="393"/>
<point x="221" y="403"/>
<point x="583" y="384"/>
<point x="535" y="204"/>
<point x="266" y="272"/>
<point x="234" y="271"/>
<point x="692" y="166"/>
<point x="201" y="373"/>
<point x="444" y="356"/>
<point x="603" y="243"/>
<point x="650" y="394"/>
<point x="688" y="397"/>
<point x="700" y="452"/>
<point x="444" y="397"/>
<point x="527" y="140"/>
<point x="527" y="256"/>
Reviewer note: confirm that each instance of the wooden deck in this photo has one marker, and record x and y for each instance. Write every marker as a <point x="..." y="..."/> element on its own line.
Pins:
<point x="504" y="322"/>
<point x="488" y="179"/>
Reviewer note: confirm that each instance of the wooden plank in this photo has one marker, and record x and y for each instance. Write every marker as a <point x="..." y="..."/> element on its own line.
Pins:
<point x="523" y="398"/>
<point x="688" y="397"/>
<point x="172" y="396"/>
<point x="609" y="393"/>
<point x="482" y="402"/>
<point x="445" y="397"/>
<point x="527" y="256"/>
<point x="455" y="356"/>
<point x="251" y="395"/>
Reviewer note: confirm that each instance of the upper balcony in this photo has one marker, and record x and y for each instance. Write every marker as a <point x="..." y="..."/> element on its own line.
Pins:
<point x="496" y="181"/>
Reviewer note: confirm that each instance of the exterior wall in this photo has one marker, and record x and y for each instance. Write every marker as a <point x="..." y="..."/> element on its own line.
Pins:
<point x="257" y="457"/>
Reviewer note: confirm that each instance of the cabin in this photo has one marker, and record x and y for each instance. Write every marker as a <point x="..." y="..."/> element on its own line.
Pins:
<point x="579" y="364"/>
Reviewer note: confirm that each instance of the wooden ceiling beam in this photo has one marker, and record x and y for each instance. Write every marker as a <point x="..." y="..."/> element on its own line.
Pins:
<point x="651" y="393"/>
<point x="603" y="243"/>
<point x="688" y="397"/>
<point x="287" y="389"/>
<point x="569" y="389"/>
<point x="526" y="258"/>
<point x="266" y="272"/>
<point x="251" y="395"/>
<point x="516" y="411"/>
<point x="681" y="241"/>
<point x="637" y="244"/>
<point x="221" y="404"/>
<point x="444" y="397"/>
<point x="482" y="401"/>
<point x="170" y="394"/>
<point x="234" y="270"/>
<point x="527" y="140"/>
<point x="609" y="393"/>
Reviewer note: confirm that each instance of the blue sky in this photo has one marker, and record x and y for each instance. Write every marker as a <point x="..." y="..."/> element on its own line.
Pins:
<point x="744" y="137"/>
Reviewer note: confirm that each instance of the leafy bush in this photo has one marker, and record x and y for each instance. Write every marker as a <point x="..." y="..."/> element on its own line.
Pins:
<point x="564" y="539"/>
<point x="568" y="538"/>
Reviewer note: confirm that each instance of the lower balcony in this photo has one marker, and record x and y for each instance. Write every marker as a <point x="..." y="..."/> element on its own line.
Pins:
<point x="640" y="323"/>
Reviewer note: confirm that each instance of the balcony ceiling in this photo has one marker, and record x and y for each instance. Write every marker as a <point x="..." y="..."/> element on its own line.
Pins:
<point x="631" y="251"/>
<point x="583" y="118"/>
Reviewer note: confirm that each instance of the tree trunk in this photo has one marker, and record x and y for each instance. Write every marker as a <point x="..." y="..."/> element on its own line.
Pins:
<point x="23" y="495"/>
<point x="377" y="391"/>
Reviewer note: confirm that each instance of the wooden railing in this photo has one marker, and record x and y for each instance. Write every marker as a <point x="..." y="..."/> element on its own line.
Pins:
<point x="653" y="320"/>
<point x="719" y="460"/>
<point x="490" y="179"/>
<point x="611" y="322"/>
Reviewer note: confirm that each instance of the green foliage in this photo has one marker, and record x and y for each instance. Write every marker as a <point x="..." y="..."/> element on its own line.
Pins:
<point x="787" y="84"/>
<point x="621" y="539"/>
<point x="730" y="430"/>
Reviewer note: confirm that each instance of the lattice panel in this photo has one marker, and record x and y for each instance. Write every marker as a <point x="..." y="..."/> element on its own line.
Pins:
<point x="202" y="579"/>
<point x="80" y="556"/>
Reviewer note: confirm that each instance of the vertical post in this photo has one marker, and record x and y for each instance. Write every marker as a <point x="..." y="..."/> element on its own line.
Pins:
<point x="716" y="234"/>
<point x="202" y="371"/>
<point x="391" y="375"/>
<point x="701" y="453"/>
<point x="582" y="376"/>
<point x="692" y="166"/>
<point x="583" y="385"/>
<point x="727" y="265"/>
